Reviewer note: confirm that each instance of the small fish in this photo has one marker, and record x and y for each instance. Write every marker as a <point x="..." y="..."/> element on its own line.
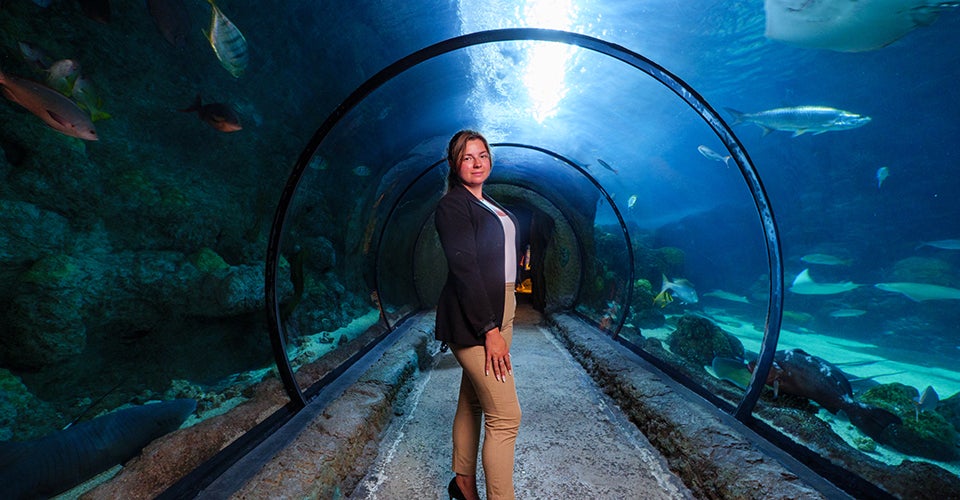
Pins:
<point x="631" y="201"/>
<point x="57" y="111"/>
<point x="732" y="297"/>
<point x="218" y="115"/>
<point x="713" y="155"/>
<point x="803" y="284"/>
<point x="882" y="174"/>
<point x="34" y="55"/>
<point x="227" y="42"/>
<point x="847" y="313"/>
<point x="606" y="165"/>
<point x="918" y="292"/>
<point x="682" y="288"/>
<point x="732" y="370"/>
<point x="85" y="94"/>
<point x="361" y="170"/>
<point x="172" y="19"/>
<point x="926" y="401"/>
<point x="941" y="244"/>
<point x="825" y="259"/>
<point x="62" y="74"/>
<point x="801" y="119"/>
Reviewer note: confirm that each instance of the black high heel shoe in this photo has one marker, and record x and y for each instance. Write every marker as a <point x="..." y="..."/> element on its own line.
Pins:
<point x="454" y="491"/>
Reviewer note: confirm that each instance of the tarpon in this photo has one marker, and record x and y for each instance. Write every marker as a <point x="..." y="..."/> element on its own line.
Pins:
<point x="921" y="291"/>
<point x="801" y="119"/>
<point x="804" y="285"/>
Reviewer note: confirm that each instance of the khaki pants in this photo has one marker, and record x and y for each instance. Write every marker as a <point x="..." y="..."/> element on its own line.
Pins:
<point x="484" y="399"/>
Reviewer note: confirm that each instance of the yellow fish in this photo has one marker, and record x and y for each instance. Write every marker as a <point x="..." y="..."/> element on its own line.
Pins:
<point x="227" y="42"/>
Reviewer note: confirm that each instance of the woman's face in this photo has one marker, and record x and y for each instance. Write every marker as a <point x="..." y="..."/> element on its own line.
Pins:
<point x="475" y="164"/>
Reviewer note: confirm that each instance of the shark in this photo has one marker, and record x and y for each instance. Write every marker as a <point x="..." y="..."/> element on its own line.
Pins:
<point x="918" y="292"/>
<point x="847" y="25"/>
<point x="59" y="461"/>
<point x="804" y="285"/>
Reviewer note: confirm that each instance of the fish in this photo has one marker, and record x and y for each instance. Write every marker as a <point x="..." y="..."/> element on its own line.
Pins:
<point x="62" y="74"/>
<point x="227" y="41"/>
<point x="98" y="10"/>
<point x="847" y="25"/>
<point x="926" y="401"/>
<point x="803" y="284"/>
<point x="631" y="201"/>
<point x="847" y="313"/>
<point x="172" y="19"/>
<point x="361" y="170"/>
<point x="825" y="259"/>
<point x="34" y="55"/>
<point x="801" y="119"/>
<point x="86" y="96"/>
<point x="713" y="155"/>
<point x="56" y="110"/>
<point x="882" y="174"/>
<point x="45" y="467"/>
<point x="43" y="3"/>
<point x="732" y="370"/>
<point x="606" y="165"/>
<point x="682" y="288"/>
<point x="218" y="115"/>
<point x="724" y="295"/>
<point x="941" y="244"/>
<point x="797" y="373"/>
<point x="918" y="292"/>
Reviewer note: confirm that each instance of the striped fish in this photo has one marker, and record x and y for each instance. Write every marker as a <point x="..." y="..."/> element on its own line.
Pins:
<point x="227" y="42"/>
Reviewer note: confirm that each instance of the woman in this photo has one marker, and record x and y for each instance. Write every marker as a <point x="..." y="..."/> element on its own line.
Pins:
<point x="475" y="318"/>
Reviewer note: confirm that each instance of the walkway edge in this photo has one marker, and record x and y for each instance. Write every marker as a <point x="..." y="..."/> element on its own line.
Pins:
<point x="714" y="455"/>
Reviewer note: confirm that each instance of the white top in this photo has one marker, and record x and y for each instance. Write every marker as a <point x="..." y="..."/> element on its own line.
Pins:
<point x="509" y="236"/>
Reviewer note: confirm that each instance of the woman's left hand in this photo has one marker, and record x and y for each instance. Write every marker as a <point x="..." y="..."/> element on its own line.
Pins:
<point x="498" y="355"/>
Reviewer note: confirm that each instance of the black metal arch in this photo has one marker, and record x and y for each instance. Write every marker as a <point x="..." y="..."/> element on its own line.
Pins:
<point x="672" y="82"/>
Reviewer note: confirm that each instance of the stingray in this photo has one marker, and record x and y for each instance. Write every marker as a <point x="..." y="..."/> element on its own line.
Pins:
<point x="847" y="25"/>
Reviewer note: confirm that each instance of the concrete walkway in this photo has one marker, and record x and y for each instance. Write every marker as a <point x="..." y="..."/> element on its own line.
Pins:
<point x="573" y="442"/>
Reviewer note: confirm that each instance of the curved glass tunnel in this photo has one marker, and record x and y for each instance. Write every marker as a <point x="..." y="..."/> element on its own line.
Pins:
<point x="135" y="263"/>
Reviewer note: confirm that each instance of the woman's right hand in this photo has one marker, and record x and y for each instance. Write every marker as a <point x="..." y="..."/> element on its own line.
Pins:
<point x="498" y="355"/>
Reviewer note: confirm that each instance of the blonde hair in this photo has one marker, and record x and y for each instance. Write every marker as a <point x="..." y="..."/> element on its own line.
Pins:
<point x="458" y="143"/>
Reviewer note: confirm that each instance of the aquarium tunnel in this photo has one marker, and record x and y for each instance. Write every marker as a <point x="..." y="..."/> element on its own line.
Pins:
<point x="738" y="206"/>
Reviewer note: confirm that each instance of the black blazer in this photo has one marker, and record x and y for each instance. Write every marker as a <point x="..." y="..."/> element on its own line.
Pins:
<point x="471" y="302"/>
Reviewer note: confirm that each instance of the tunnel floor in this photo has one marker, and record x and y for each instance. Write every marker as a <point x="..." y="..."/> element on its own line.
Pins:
<point x="573" y="442"/>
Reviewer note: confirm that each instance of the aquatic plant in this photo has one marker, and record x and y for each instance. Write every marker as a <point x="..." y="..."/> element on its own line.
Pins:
<point x="207" y="260"/>
<point x="927" y="434"/>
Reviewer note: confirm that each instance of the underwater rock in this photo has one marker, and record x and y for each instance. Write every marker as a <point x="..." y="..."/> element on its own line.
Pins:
<point x="61" y="297"/>
<point x="950" y="409"/>
<point x="929" y="270"/>
<point x="925" y="434"/>
<point x="28" y="232"/>
<point x="699" y="340"/>
<point x="643" y="313"/>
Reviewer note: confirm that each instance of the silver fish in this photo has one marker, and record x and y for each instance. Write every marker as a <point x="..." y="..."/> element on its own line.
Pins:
<point x="606" y="165"/>
<point x="227" y="42"/>
<point x="801" y="119"/>
<point x="825" y="259"/>
<point x="713" y="155"/>
<point x="942" y="244"/>
<point x="882" y="174"/>
<point x="928" y="400"/>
